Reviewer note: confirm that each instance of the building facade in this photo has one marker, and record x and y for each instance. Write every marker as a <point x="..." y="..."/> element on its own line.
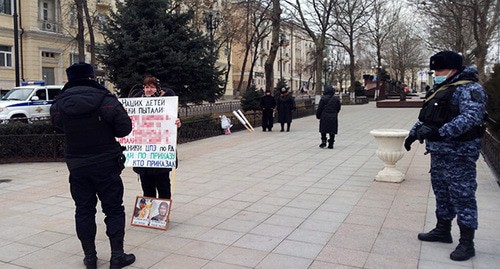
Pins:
<point x="294" y="61"/>
<point x="47" y="44"/>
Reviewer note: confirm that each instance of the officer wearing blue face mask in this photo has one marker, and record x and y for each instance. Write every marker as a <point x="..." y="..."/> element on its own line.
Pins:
<point x="451" y="123"/>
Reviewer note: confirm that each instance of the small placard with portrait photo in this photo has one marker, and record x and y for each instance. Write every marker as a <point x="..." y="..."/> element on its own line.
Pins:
<point x="151" y="212"/>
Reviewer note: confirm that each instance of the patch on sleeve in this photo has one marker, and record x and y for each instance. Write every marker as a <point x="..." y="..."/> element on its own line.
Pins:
<point x="476" y="96"/>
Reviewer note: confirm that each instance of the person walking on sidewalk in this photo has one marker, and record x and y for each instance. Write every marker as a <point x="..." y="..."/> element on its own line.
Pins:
<point x="155" y="182"/>
<point x="451" y="123"/>
<point x="91" y="117"/>
<point x="327" y="114"/>
<point x="267" y="104"/>
<point x="285" y="106"/>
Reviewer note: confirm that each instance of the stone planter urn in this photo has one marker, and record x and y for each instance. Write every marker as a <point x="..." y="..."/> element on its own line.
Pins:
<point x="390" y="150"/>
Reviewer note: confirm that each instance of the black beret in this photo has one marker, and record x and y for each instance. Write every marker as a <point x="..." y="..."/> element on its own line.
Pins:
<point x="80" y="71"/>
<point x="446" y="60"/>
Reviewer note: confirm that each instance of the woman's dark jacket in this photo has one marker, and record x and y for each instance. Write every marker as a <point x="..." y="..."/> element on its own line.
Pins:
<point x="285" y="106"/>
<point x="328" y="109"/>
<point x="91" y="118"/>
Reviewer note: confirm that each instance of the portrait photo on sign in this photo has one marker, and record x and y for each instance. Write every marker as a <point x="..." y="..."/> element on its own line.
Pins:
<point x="151" y="212"/>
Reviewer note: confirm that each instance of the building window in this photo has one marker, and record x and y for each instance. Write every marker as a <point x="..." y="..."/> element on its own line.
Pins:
<point x="72" y="17"/>
<point x="47" y="54"/>
<point x="101" y="20"/>
<point x="6" y="6"/>
<point x="73" y="58"/>
<point x="5" y="56"/>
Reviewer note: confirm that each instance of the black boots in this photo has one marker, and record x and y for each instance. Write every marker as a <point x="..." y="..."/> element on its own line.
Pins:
<point x="330" y="143"/>
<point x="442" y="233"/>
<point x="119" y="258"/>
<point x="465" y="249"/>
<point x="90" y="259"/>
<point x="323" y="143"/>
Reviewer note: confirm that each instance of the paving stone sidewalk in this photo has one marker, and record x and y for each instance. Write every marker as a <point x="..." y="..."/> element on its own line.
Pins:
<point x="260" y="200"/>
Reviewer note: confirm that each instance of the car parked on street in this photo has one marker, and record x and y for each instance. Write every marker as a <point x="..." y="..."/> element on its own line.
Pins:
<point x="28" y="103"/>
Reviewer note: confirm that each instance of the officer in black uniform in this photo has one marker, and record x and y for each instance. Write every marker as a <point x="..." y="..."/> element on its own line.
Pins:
<point x="91" y="117"/>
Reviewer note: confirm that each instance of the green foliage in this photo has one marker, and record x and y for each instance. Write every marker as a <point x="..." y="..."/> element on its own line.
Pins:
<point x="20" y="128"/>
<point x="281" y="83"/>
<point x="251" y="99"/>
<point x="492" y="87"/>
<point x="384" y="75"/>
<point x="144" y="38"/>
<point x="359" y="90"/>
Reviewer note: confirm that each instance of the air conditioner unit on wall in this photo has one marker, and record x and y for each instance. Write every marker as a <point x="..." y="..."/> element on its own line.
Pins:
<point x="49" y="26"/>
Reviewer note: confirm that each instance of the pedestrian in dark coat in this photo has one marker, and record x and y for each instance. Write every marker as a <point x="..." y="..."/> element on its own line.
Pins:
<point x="91" y="117"/>
<point x="267" y="104"/>
<point x="285" y="105"/>
<point x="327" y="114"/>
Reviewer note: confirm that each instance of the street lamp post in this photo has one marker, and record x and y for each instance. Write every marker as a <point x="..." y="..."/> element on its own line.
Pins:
<point x="212" y="20"/>
<point x="16" y="43"/>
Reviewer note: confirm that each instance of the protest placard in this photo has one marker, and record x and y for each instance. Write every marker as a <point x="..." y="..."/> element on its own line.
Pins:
<point x="153" y="140"/>
<point x="151" y="212"/>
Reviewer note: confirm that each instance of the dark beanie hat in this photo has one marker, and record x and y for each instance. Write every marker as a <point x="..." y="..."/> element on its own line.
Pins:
<point x="328" y="90"/>
<point x="446" y="60"/>
<point x="80" y="71"/>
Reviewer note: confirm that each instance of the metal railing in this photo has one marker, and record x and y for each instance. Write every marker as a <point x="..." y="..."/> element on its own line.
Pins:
<point x="491" y="151"/>
<point x="50" y="147"/>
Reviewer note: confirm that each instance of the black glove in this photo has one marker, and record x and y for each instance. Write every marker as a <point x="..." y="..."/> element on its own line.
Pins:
<point x="408" y="141"/>
<point x="428" y="132"/>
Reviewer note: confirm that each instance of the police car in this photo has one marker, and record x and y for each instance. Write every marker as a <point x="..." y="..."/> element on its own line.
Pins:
<point x="28" y="102"/>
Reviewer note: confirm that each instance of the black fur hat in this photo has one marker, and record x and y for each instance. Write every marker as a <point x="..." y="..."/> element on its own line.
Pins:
<point x="446" y="60"/>
<point x="80" y="71"/>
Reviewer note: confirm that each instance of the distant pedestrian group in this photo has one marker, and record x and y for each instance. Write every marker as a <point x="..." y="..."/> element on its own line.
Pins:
<point x="285" y="106"/>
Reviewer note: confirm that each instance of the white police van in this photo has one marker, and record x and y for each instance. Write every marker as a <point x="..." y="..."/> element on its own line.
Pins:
<point x="28" y="102"/>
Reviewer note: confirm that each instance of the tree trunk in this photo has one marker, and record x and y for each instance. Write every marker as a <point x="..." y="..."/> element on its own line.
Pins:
<point x="319" y="67"/>
<point x="254" y="59"/>
<point x="229" y="45"/>
<point x="90" y="27"/>
<point x="269" y="64"/>
<point x="352" y="71"/>
<point x="80" y="37"/>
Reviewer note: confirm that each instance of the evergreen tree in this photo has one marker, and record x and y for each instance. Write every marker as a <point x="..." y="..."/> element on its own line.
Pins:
<point x="281" y="83"/>
<point x="251" y="99"/>
<point x="143" y="37"/>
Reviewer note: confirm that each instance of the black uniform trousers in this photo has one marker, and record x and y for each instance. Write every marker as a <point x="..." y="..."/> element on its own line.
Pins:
<point x="103" y="181"/>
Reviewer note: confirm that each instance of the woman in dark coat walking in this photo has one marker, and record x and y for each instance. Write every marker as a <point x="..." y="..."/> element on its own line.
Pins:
<point x="327" y="114"/>
<point x="285" y="106"/>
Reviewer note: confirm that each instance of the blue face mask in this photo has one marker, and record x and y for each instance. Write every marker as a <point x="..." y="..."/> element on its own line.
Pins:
<point x="439" y="79"/>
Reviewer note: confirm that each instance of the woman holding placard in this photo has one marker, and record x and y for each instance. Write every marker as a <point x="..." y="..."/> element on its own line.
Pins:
<point x="155" y="182"/>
